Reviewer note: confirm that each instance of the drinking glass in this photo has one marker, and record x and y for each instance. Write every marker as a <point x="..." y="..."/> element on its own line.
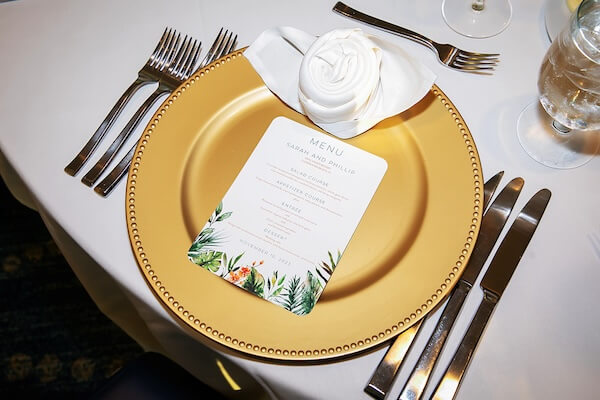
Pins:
<point x="477" y="18"/>
<point x="561" y="130"/>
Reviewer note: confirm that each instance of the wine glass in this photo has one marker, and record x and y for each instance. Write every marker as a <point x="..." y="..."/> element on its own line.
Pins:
<point x="562" y="129"/>
<point x="477" y="18"/>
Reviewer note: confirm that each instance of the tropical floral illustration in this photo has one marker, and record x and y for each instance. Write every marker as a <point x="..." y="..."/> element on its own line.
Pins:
<point x="292" y="297"/>
<point x="204" y="250"/>
<point x="297" y="294"/>
<point x="325" y="270"/>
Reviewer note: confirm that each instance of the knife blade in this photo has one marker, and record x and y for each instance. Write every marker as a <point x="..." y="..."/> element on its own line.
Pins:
<point x="491" y="225"/>
<point x="489" y="188"/>
<point x="494" y="283"/>
<point x="384" y="374"/>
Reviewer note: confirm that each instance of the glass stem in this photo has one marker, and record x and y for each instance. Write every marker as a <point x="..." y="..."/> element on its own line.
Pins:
<point x="478" y="5"/>
<point x="560" y="128"/>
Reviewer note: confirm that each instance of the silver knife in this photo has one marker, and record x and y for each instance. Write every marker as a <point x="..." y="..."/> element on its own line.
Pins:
<point x="384" y="374"/>
<point x="493" y="284"/>
<point x="492" y="224"/>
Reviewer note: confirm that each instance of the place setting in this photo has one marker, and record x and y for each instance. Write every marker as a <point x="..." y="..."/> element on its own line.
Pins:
<point x="171" y="63"/>
<point x="295" y="141"/>
<point x="340" y="199"/>
<point x="285" y="194"/>
<point x="251" y="185"/>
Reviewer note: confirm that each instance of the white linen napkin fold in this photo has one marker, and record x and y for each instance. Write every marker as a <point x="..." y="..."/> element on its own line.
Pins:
<point x="345" y="81"/>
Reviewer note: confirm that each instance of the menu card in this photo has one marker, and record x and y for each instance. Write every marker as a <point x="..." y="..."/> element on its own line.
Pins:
<point x="284" y="223"/>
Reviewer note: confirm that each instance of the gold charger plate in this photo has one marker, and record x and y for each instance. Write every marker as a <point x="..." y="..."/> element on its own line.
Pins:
<point x="405" y="256"/>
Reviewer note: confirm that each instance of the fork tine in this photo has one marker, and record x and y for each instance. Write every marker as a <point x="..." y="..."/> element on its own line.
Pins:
<point x="180" y="57"/>
<point x="165" y="50"/>
<point x="184" y="65"/>
<point x="227" y="44"/>
<point x="163" y="38"/>
<point x="469" y="61"/>
<point x="476" y="62"/>
<point x="468" y="58"/>
<point x="209" y="55"/>
<point x="474" y="69"/>
<point x="478" y="55"/>
<point x="221" y="47"/>
<point x="230" y="46"/>
<point x="191" y="66"/>
<point x="482" y="61"/>
<point x="470" y="65"/>
<point x="233" y="44"/>
<point x="171" y="52"/>
<point x="190" y="61"/>
<point x="160" y="50"/>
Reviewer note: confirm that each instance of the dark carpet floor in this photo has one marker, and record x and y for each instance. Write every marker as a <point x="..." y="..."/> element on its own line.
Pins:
<point x="54" y="342"/>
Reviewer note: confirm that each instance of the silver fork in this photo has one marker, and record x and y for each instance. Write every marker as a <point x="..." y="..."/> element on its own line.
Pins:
<point x="224" y="44"/>
<point x="448" y="55"/>
<point x="150" y="73"/>
<point x="176" y="72"/>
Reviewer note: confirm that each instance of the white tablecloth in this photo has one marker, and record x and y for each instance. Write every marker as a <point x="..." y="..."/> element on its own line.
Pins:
<point x="64" y="63"/>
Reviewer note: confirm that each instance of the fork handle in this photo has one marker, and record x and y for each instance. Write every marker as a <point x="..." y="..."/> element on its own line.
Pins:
<point x="350" y="12"/>
<point x="80" y="159"/>
<point x="106" y="186"/>
<point x="94" y="173"/>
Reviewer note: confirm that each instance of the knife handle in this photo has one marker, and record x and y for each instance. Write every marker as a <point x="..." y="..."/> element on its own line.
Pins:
<point x="385" y="372"/>
<point x="448" y="385"/>
<point x="414" y="387"/>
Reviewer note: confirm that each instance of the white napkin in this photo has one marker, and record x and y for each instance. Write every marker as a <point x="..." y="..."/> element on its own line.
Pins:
<point x="345" y="81"/>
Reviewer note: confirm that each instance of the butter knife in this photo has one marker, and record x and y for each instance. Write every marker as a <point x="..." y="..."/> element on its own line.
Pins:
<point x="491" y="225"/>
<point x="384" y="374"/>
<point x="493" y="284"/>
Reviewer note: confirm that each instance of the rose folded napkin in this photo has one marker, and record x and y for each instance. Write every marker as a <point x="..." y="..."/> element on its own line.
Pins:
<point x="345" y="81"/>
